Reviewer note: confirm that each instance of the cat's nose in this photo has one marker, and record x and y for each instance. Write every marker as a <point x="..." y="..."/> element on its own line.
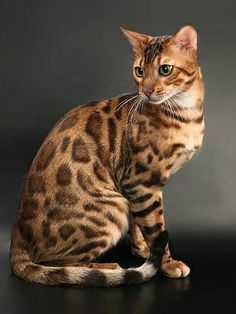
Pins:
<point x="148" y="91"/>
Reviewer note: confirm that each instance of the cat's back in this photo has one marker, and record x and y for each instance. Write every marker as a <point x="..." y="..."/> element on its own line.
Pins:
<point x="75" y="158"/>
<point x="85" y="132"/>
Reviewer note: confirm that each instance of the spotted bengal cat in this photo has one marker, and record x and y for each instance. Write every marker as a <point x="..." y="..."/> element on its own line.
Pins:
<point x="102" y="168"/>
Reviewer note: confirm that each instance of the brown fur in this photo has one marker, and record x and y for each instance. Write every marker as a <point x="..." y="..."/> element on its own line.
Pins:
<point x="103" y="163"/>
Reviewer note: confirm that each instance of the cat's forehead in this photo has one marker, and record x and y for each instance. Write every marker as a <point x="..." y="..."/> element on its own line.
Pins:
<point x="155" y="48"/>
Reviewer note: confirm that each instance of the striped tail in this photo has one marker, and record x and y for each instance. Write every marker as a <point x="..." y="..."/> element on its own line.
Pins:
<point x="87" y="277"/>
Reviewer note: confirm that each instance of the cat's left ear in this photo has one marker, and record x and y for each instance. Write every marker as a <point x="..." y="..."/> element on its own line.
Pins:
<point x="137" y="40"/>
<point x="186" y="38"/>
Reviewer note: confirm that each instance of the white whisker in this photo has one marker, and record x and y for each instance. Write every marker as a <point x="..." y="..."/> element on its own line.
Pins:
<point x="120" y="105"/>
<point x="134" y="108"/>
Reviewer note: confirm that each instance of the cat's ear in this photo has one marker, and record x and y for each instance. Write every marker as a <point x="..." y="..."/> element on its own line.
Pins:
<point x="137" y="40"/>
<point x="186" y="38"/>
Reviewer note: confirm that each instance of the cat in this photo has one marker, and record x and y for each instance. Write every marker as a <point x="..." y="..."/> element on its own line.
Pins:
<point x="101" y="171"/>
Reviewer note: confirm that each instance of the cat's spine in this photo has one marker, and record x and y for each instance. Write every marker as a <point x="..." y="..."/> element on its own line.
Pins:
<point x="87" y="277"/>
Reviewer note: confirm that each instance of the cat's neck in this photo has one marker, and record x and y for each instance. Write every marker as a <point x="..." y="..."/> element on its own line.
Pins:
<point x="185" y="106"/>
<point x="192" y="98"/>
<point x="173" y="112"/>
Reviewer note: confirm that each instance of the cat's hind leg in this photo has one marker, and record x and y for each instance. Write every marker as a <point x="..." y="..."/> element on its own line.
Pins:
<point x="94" y="265"/>
<point x="102" y="265"/>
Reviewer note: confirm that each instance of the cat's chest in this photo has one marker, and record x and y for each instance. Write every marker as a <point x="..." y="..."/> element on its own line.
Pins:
<point x="180" y="147"/>
<point x="180" y="159"/>
<point x="169" y="145"/>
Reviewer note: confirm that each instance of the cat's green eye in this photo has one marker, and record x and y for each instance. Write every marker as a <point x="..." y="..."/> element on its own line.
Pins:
<point x="165" y="69"/>
<point x="139" y="72"/>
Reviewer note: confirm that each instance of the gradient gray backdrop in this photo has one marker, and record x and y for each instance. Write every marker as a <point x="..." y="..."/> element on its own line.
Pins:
<point x="55" y="55"/>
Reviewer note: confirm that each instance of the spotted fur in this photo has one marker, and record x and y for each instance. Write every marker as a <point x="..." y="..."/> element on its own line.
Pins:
<point x="101" y="171"/>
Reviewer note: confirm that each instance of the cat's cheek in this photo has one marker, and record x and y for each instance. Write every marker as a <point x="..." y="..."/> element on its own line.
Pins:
<point x="137" y="81"/>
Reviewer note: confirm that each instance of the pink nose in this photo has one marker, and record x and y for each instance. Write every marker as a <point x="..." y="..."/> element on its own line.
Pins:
<point x="148" y="91"/>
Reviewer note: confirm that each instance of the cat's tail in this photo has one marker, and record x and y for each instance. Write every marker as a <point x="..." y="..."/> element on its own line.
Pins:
<point x="88" y="277"/>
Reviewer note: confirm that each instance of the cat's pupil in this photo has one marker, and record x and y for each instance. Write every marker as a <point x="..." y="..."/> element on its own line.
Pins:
<point x="139" y="71"/>
<point x="165" y="69"/>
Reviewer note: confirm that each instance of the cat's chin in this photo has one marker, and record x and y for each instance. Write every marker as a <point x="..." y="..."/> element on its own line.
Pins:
<point x="157" y="102"/>
<point x="184" y="101"/>
<point x="160" y="100"/>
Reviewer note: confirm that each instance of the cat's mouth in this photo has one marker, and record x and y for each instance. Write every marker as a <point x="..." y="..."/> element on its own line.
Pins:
<point x="161" y="99"/>
<point x="172" y="99"/>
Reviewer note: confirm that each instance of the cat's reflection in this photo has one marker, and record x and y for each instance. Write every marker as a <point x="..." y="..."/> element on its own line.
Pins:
<point x="156" y="296"/>
<point x="141" y="299"/>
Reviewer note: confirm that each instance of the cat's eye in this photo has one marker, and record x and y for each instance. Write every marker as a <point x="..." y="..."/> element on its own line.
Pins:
<point x="139" y="72"/>
<point x="165" y="69"/>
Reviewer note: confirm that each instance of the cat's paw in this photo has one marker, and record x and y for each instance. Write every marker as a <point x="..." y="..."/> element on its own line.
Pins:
<point x="175" y="269"/>
<point x="141" y="250"/>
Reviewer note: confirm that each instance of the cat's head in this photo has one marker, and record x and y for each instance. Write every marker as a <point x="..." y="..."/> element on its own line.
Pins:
<point x="165" y="68"/>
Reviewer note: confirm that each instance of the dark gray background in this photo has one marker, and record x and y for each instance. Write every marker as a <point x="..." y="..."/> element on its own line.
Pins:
<point x="55" y="55"/>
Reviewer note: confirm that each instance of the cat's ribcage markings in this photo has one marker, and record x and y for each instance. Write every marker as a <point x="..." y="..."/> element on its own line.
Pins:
<point x="102" y="214"/>
<point x="65" y="144"/>
<point x="112" y="206"/>
<point x="80" y="152"/>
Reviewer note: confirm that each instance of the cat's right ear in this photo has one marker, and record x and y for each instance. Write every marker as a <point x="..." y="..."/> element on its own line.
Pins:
<point x="138" y="41"/>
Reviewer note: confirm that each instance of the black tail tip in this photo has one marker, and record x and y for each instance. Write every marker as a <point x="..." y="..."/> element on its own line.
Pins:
<point x="158" y="248"/>
<point x="162" y="240"/>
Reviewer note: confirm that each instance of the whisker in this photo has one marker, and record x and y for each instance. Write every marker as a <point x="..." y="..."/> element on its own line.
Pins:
<point x="120" y="105"/>
<point x="136" y="108"/>
<point x="170" y="108"/>
<point x="126" y="100"/>
<point x="132" y="108"/>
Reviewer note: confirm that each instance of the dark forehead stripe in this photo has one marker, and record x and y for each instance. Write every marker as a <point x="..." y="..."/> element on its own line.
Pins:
<point x="155" y="48"/>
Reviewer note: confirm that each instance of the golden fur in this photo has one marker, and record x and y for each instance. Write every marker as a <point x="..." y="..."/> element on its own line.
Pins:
<point x="102" y="168"/>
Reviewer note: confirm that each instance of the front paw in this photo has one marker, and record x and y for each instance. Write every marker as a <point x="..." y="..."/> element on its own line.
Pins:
<point x="175" y="269"/>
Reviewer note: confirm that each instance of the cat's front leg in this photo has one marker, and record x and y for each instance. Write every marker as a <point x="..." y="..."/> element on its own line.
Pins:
<point x="172" y="268"/>
<point x="139" y="246"/>
<point x="147" y="221"/>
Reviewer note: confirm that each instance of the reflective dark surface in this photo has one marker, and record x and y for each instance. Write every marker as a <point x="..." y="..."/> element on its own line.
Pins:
<point x="209" y="289"/>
